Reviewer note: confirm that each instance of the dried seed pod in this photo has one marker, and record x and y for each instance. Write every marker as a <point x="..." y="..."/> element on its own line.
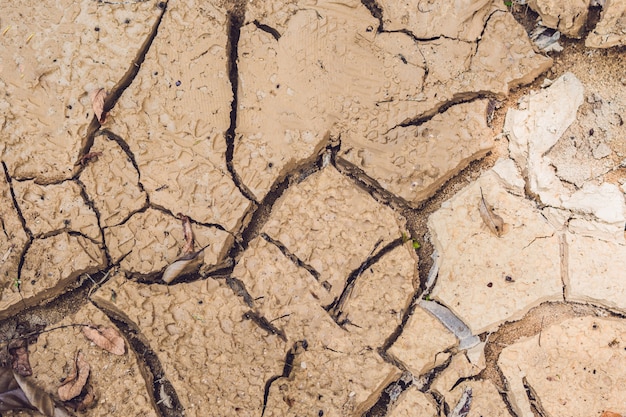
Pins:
<point x="176" y="268"/>
<point x="97" y="103"/>
<point x="491" y="219"/>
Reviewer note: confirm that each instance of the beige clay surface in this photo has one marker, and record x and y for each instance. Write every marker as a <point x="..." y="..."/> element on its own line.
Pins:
<point x="330" y="174"/>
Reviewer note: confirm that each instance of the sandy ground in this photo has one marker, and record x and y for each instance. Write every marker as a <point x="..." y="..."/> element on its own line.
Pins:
<point x="330" y="159"/>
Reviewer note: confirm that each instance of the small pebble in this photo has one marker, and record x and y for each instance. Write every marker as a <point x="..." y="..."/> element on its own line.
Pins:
<point x="178" y="83"/>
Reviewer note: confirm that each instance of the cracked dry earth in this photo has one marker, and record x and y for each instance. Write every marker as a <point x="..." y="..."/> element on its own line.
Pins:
<point x="334" y="156"/>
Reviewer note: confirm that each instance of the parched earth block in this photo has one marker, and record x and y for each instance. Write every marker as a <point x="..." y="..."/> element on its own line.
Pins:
<point x="339" y="372"/>
<point x="326" y="74"/>
<point x="217" y="360"/>
<point x="511" y="273"/>
<point x="575" y="368"/>
<point x="54" y="208"/>
<point x="414" y="161"/>
<point x="151" y="240"/>
<point x="112" y="182"/>
<point x="50" y="265"/>
<point x="422" y="343"/>
<point x="50" y="61"/>
<point x="175" y="115"/>
<point x="13" y="240"/>
<point x="462" y="20"/>
<point x="120" y="386"/>
<point x="332" y="225"/>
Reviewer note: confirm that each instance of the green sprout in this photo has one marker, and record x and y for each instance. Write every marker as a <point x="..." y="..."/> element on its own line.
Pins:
<point x="405" y="237"/>
<point x="508" y="3"/>
<point x="416" y="244"/>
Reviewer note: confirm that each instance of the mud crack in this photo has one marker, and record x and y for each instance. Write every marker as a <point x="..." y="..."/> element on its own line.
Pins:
<point x="297" y="348"/>
<point x="376" y="11"/>
<point x="235" y="21"/>
<point x="336" y="308"/>
<point x="123" y="83"/>
<point x="162" y="393"/>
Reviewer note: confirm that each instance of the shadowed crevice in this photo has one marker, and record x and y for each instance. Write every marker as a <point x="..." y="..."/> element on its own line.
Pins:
<point x="376" y="11"/>
<point x="235" y="22"/>
<point x="264" y="324"/>
<point x="16" y="206"/>
<point x="533" y="398"/>
<point x="240" y="290"/>
<point x="297" y="348"/>
<point x="261" y="213"/>
<point x="17" y="283"/>
<point x="457" y="98"/>
<point x="291" y="256"/>
<point x="336" y="308"/>
<point x="389" y="396"/>
<point x="161" y="391"/>
<point x="370" y="185"/>
<point x="129" y="153"/>
<point x="90" y="203"/>
<point x="267" y="29"/>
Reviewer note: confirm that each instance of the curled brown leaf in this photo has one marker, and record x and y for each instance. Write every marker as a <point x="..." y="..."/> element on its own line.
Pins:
<point x="97" y="103"/>
<point x="107" y="338"/>
<point x="75" y="382"/>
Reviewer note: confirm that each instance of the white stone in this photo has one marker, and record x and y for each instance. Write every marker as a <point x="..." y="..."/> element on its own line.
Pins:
<point x="510" y="175"/>
<point x="535" y="128"/>
<point x="596" y="271"/>
<point x="605" y="202"/>
<point x="475" y="263"/>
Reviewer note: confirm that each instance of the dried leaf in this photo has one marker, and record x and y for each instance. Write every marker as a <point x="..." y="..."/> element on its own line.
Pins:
<point x="176" y="268"/>
<point x="75" y="383"/>
<point x="107" y="338"/>
<point x="97" y="102"/>
<point x="18" y="348"/>
<point x="17" y="392"/>
<point x="187" y="233"/>
<point x="490" y="218"/>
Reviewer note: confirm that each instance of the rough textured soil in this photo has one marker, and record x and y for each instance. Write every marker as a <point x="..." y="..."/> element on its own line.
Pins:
<point x="398" y="207"/>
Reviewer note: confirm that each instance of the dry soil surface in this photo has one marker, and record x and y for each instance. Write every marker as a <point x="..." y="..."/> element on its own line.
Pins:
<point x="398" y="207"/>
